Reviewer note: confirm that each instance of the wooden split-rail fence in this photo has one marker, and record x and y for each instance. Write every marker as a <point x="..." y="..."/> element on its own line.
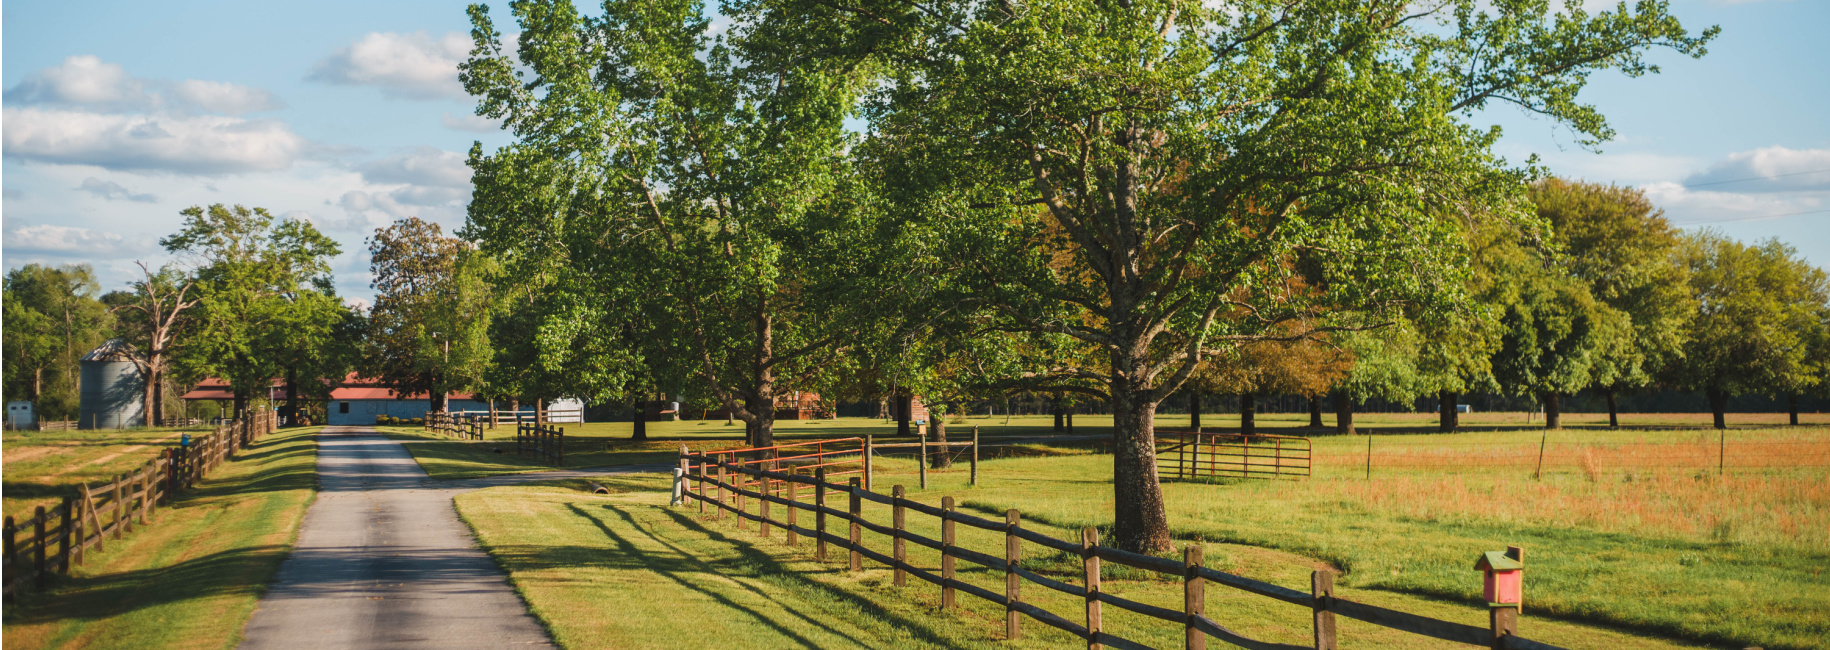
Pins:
<point x="463" y="426"/>
<point x="546" y="443"/>
<point x="52" y="541"/>
<point x="723" y="486"/>
<point x="1189" y="455"/>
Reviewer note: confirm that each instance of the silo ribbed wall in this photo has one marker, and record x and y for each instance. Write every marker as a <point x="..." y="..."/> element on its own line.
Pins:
<point x="112" y="393"/>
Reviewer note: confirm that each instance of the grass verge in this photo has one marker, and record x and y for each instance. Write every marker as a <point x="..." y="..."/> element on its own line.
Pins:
<point x="574" y="557"/>
<point x="192" y="577"/>
<point x="43" y="467"/>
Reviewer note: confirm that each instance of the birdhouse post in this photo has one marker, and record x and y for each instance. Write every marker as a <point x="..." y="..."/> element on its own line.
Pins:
<point x="1503" y="586"/>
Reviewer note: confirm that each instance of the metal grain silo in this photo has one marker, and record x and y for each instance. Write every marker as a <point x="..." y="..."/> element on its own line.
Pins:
<point x="113" y="389"/>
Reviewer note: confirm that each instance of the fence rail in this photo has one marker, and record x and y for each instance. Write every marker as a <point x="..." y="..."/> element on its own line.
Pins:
<point x="543" y="442"/>
<point x="715" y="495"/>
<point x="857" y="454"/>
<point x="462" y="425"/>
<point x="1192" y="455"/>
<point x="97" y="513"/>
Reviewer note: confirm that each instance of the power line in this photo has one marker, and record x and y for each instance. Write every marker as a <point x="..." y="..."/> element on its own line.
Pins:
<point x="1756" y="178"/>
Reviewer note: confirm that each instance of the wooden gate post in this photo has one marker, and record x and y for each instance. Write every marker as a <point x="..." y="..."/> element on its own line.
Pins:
<point x="857" y="532"/>
<point x="1089" y="538"/>
<point x="819" y="514"/>
<point x="38" y="544"/>
<point x="1194" y="598"/>
<point x="1321" y="587"/>
<point x="898" y="547"/>
<point x="946" y="552"/>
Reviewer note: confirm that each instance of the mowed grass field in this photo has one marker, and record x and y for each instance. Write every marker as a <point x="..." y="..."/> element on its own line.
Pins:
<point x="1633" y="537"/>
<point x="192" y="577"/>
<point x="42" y="467"/>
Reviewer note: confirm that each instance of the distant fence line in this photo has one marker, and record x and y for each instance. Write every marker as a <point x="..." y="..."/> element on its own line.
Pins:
<point x="697" y="482"/>
<point x="96" y="513"/>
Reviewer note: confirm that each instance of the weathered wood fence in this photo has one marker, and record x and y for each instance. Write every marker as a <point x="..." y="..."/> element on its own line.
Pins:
<point x="52" y="541"/>
<point x="725" y="491"/>
<point x="1190" y="455"/>
<point x="462" y="425"/>
<point x="544" y="442"/>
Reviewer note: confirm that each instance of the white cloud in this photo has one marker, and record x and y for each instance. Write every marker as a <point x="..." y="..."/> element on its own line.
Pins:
<point x="201" y="144"/>
<point x="1768" y="169"/>
<point x="225" y="97"/>
<point x="472" y="123"/>
<point x="420" y="166"/>
<point x="412" y="66"/>
<point x="83" y="80"/>
<point x="66" y="241"/>
<point x="112" y="191"/>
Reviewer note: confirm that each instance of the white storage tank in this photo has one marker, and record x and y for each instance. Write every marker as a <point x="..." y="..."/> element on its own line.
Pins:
<point x="113" y="389"/>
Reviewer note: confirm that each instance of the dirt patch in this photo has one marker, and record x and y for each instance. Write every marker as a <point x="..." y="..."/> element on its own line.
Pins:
<point x="33" y="453"/>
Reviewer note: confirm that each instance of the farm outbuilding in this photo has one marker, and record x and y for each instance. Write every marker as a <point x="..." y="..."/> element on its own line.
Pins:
<point x="113" y="388"/>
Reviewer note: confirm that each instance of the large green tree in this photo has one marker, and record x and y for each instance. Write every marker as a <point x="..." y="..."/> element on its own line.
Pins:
<point x="703" y="180"/>
<point x="1758" y="309"/>
<point x="428" y="331"/>
<point x="1619" y="245"/>
<point x="253" y="275"/>
<point x="1146" y="176"/>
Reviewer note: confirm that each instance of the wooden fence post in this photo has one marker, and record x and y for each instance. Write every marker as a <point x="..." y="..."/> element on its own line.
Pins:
<point x="11" y="532"/>
<point x="718" y="513"/>
<point x="1503" y="622"/>
<point x="975" y="456"/>
<point x="38" y="544"/>
<point x="867" y="462"/>
<point x="819" y="513"/>
<point x="1321" y="587"/>
<point x="1013" y="583"/>
<point x="78" y="537"/>
<point x="701" y="483"/>
<point x="559" y="441"/>
<point x="1194" y="598"/>
<point x="857" y="532"/>
<point x="63" y="545"/>
<point x="946" y="552"/>
<point x="899" y="547"/>
<point x="793" y="537"/>
<point x="1089" y="538"/>
<point x="742" y="508"/>
<point x="120" y="507"/>
<point x="766" y="490"/>
<point x="921" y="462"/>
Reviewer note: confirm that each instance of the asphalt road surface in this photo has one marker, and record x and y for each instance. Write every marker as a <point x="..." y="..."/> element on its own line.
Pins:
<point x="382" y="560"/>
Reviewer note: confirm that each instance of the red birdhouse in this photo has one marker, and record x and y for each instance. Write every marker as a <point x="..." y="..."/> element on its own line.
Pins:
<point x="1505" y="581"/>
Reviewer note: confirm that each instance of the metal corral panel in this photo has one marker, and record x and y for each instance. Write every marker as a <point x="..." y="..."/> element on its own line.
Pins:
<point x="113" y="394"/>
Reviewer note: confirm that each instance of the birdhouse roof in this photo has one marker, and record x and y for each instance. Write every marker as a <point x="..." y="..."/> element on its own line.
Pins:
<point x="1497" y="561"/>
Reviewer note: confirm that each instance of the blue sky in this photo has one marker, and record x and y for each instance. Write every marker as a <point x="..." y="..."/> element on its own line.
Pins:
<point x="120" y="114"/>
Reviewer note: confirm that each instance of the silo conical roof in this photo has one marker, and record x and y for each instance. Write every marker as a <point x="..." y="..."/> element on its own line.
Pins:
<point x="113" y="350"/>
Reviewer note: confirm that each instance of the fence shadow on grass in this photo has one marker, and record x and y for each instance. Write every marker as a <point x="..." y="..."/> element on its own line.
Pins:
<point x="683" y="565"/>
<point x="94" y="597"/>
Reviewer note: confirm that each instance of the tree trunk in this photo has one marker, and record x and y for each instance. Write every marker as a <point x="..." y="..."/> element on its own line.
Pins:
<point x="1194" y="409"/>
<point x="241" y="405"/>
<point x="147" y="395"/>
<point x="1057" y="407"/>
<point x="1553" y="415"/>
<point x="1315" y="411"/>
<point x="292" y="397"/>
<point x="905" y="411"/>
<point x="1139" y="521"/>
<point x="437" y="399"/>
<point x="938" y="458"/>
<point x="1718" y="405"/>
<point x="1613" y="409"/>
<point x="1070" y="419"/>
<point x="1248" y="409"/>
<point x="762" y="430"/>
<point x="1792" y="407"/>
<point x="1448" y="416"/>
<point x="158" y="392"/>
<point x="1343" y="413"/>
<point x="640" y="421"/>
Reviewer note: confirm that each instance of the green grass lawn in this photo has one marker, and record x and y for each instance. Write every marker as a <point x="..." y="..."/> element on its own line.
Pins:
<point x="574" y="556"/>
<point x="190" y="579"/>
<point x="42" y="467"/>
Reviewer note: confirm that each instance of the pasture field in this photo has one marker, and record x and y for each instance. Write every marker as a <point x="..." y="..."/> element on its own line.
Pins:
<point x="192" y="577"/>
<point x="1633" y="537"/>
<point x="43" y="467"/>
